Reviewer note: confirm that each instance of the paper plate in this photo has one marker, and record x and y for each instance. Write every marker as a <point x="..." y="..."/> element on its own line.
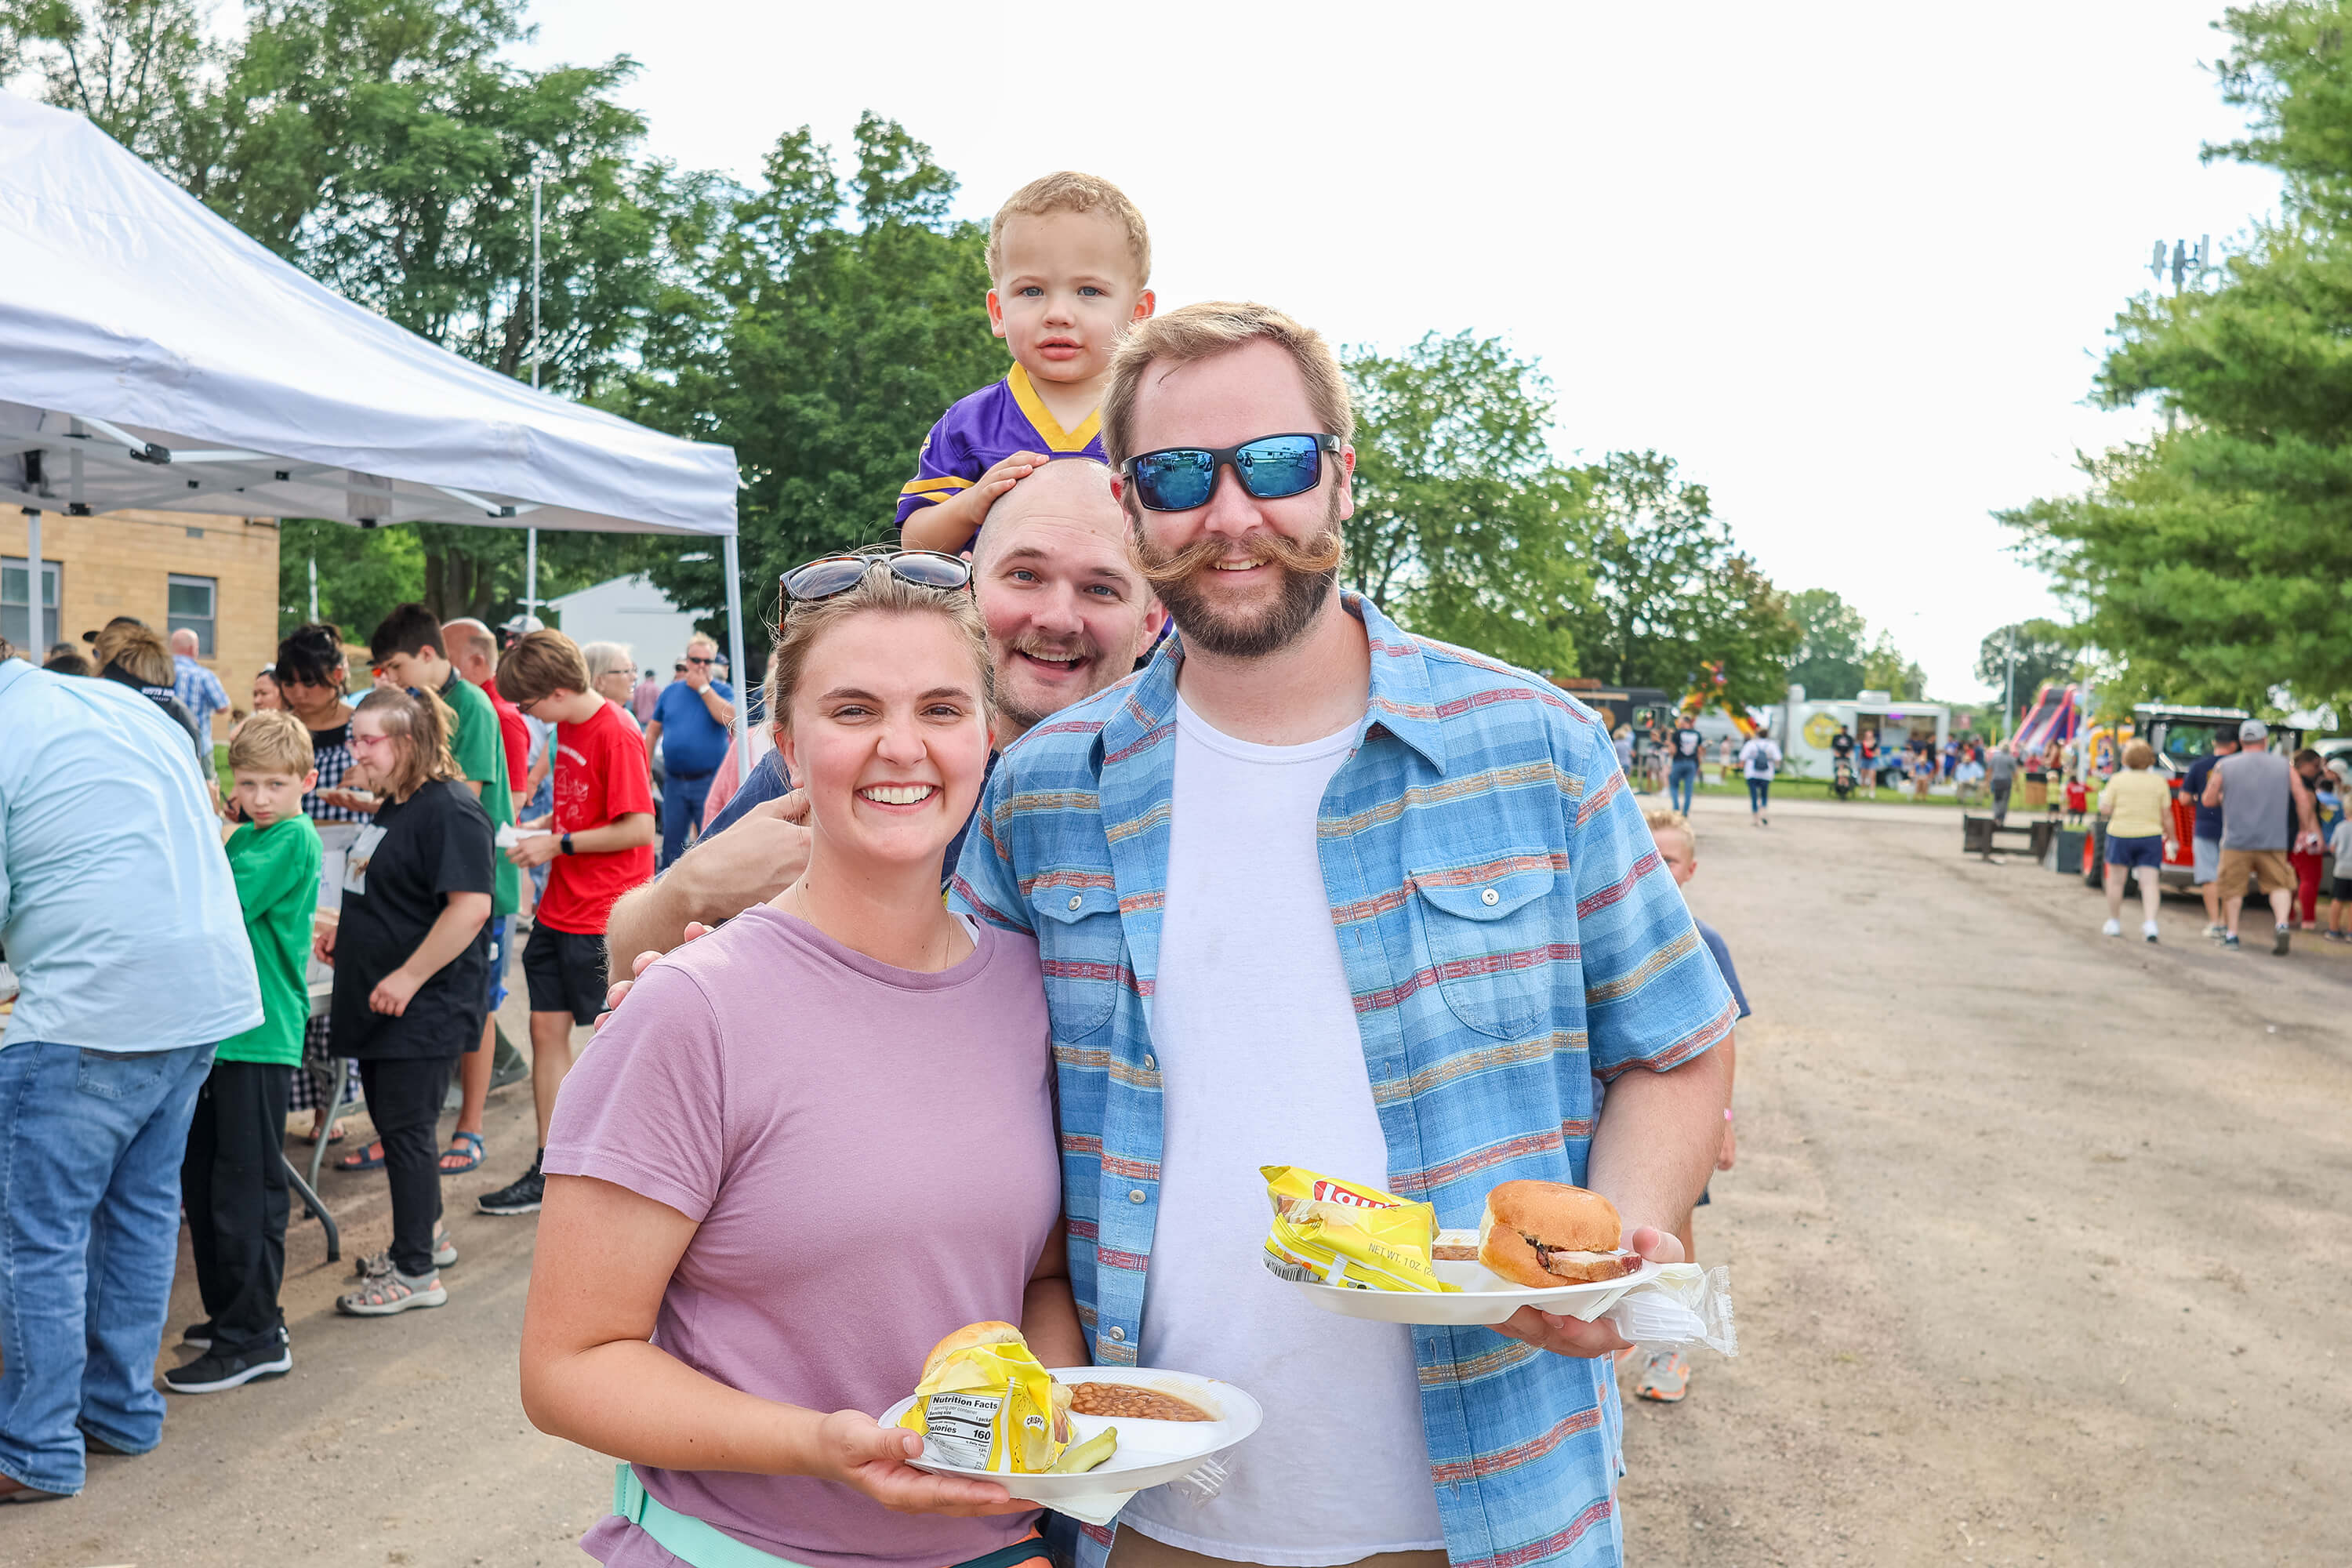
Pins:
<point x="1484" y="1298"/>
<point x="1150" y="1453"/>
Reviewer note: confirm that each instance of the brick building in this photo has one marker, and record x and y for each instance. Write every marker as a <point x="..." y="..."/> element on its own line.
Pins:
<point x="217" y="576"/>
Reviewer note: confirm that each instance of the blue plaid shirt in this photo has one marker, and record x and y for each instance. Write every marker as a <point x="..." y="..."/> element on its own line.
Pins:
<point x="1509" y="933"/>
<point x="199" y="691"/>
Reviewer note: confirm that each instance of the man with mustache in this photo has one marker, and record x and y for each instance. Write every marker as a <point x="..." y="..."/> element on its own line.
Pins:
<point x="1312" y="891"/>
<point x="1067" y="614"/>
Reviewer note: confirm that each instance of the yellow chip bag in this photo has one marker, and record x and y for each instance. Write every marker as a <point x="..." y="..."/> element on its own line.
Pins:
<point x="985" y="1403"/>
<point x="1329" y="1232"/>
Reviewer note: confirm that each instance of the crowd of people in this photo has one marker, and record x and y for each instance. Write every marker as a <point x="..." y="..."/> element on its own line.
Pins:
<point x="1366" y="882"/>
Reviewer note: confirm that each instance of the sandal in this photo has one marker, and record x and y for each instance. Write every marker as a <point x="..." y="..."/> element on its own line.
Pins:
<point x="392" y="1292"/>
<point x="368" y="1159"/>
<point x="445" y="1253"/>
<point x="466" y="1159"/>
<point x="337" y="1136"/>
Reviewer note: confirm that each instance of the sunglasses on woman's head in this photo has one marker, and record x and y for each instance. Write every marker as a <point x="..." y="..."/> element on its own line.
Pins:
<point x="828" y="576"/>
<point x="1178" y="478"/>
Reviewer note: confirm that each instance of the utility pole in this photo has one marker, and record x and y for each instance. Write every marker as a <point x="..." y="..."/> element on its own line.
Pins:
<point x="2184" y="265"/>
<point x="2009" y="687"/>
<point x="530" y="536"/>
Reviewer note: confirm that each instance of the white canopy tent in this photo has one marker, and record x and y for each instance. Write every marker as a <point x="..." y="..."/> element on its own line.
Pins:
<point x="152" y="356"/>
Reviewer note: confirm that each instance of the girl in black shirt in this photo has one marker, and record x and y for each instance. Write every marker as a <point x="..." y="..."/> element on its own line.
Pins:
<point x="411" y="972"/>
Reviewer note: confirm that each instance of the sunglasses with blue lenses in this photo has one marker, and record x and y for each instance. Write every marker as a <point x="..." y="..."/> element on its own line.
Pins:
<point x="1178" y="478"/>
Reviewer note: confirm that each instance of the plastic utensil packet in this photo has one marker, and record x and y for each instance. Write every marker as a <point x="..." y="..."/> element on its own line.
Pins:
<point x="990" y="1407"/>
<point x="1682" y="1304"/>
<point x="1331" y="1232"/>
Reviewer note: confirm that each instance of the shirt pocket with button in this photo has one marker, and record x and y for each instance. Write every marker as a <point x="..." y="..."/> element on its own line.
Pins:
<point x="1491" y="942"/>
<point x="1082" y="948"/>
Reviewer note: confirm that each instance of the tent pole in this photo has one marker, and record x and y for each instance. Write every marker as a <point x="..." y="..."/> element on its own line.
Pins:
<point x="741" y="671"/>
<point x="531" y="538"/>
<point x="314" y="585"/>
<point x="33" y="629"/>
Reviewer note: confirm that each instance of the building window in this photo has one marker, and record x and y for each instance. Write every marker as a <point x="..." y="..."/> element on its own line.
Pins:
<point x="16" y="604"/>
<point x="190" y="609"/>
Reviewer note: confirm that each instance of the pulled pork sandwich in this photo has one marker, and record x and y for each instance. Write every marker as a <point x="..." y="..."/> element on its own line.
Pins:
<point x="1542" y="1234"/>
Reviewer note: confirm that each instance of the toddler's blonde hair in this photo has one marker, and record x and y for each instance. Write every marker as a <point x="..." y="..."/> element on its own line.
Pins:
<point x="1067" y="191"/>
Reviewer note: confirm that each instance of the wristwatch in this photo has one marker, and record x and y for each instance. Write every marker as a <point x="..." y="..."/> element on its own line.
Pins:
<point x="565" y="844"/>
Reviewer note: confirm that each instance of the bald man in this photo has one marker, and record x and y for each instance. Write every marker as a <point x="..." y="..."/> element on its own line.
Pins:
<point x="1068" y="615"/>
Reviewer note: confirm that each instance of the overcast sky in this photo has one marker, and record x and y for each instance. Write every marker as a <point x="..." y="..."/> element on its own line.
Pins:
<point x="1850" y="265"/>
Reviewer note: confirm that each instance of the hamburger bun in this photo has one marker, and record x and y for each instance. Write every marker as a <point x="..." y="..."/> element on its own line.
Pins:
<point x="965" y="1338"/>
<point x="1542" y="1234"/>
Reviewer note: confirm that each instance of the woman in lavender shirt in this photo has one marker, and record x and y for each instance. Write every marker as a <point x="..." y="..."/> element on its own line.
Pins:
<point x="813" y="1142"/>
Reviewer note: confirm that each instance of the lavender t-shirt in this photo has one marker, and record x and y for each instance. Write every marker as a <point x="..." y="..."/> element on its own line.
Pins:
<point x="869" y="1153"/>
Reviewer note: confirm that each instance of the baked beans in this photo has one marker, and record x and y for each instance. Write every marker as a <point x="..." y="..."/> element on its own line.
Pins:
<point x="1133" y="1402"/>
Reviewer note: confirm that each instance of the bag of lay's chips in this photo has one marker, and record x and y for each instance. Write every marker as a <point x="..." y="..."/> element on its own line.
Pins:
<point x="985" y="1403"/>
<point x="1329" y="1232"/>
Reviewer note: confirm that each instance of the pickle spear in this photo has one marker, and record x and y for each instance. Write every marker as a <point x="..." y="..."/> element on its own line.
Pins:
<point x="1085" y="1456"/>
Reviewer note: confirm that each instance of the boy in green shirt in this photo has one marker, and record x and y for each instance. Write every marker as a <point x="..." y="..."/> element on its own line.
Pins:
<point x="408" y="647"/>
<point x="233" y="1179"/>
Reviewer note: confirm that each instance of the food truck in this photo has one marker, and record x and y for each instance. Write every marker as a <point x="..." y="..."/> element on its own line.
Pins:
<point x="1805" y="728"/>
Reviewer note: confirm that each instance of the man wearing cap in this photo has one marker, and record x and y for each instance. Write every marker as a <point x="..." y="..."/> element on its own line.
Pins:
<point x="2264" y="805"/>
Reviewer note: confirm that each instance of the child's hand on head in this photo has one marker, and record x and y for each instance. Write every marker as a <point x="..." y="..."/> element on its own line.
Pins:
<point x="951" y="524"/>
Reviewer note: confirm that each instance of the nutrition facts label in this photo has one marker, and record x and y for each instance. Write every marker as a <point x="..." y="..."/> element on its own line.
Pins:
<point x="958" y="1426"/>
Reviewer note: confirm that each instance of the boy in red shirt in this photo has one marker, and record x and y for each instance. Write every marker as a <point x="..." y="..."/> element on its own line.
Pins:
<point x="598" y="844"/>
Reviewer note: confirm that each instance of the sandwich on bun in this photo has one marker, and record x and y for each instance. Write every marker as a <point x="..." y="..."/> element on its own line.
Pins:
<point x="1541" y="1233"/>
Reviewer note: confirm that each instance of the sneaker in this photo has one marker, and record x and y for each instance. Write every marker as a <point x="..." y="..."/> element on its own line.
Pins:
<point x="2333" y="935"/>
<point x="2216" y="932"/>
<point x="2230" y="940"/>
<point x="390" y="1292"/>
<point x="445" y="1253"/>
<point x="520" y="1197"/>
<point x="215" y="1371"/>
<point x="197" y="1336"/>
<point x="2112" y="928"/>
<point x="2278" y="942"/>
<point x="1664" y="1377"/>
<point x="2147" y="931"/>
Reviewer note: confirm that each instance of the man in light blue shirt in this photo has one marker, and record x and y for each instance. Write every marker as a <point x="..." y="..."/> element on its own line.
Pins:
<point x="198" y="689"/>
<point x="119" y="916"/>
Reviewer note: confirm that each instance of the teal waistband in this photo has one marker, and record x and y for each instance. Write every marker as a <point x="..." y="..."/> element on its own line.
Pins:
<point x="682" y="1535"/>
<point x="702" y="1545"/>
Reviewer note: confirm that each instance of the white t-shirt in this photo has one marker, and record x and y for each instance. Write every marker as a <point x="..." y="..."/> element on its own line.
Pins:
<point x="1759" y="757"/>
<point x="1260" y="1064"/>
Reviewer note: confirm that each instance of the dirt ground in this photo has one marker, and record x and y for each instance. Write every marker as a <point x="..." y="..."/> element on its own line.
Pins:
<point x="2038" y="1241"/>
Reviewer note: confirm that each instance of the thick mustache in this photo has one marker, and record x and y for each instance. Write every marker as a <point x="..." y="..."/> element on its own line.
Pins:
<point x="1083" y="648"/>
<point x="1321" y="553"/>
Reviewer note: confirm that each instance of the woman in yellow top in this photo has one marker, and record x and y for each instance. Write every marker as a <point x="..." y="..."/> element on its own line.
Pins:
<point x="2138" y="807"/>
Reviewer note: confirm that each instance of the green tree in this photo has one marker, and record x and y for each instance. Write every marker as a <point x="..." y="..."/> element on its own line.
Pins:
<point x="1671" y="594"/>
<point x="825" y="325"/>
<point x="2215" y="563"/>
<point x="1884" y="668"/>
<point x="1828" y="660"/>
<point x="2043" y="650"/>
<point x="1464" y="527"/>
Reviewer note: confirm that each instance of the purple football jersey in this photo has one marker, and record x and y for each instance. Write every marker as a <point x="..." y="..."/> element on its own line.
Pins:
<point x="984" y="429"/>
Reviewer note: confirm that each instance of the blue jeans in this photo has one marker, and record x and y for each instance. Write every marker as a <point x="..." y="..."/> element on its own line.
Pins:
<point x="681" y="808"/>
<point x="91" y="1146"/>
<point x="1681" y="783"/>
<point x="1759" y="795"/>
